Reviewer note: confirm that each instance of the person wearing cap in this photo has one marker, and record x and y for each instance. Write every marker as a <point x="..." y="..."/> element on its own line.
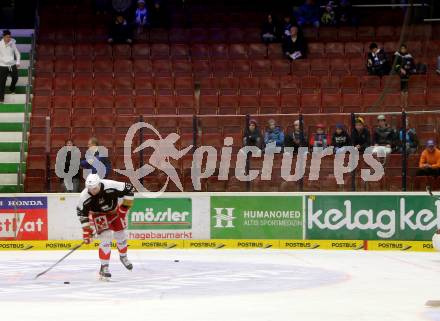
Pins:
<point x="377" y="61"/>
<point x="252" y="135"/>
<point x="105" y="204"/>
<point x="294" y="138"/>
<point x="320" y="138"/>
<point x="360" y="136"/>
<point x="92" y="162"/>
<point x="340" y="139"/>
<point x="384" y="136"/>
<point x="273" y="134"/>
<point x="9" y="63"/>
<point x="429" y="163"/>
<point x="141" y="19"/>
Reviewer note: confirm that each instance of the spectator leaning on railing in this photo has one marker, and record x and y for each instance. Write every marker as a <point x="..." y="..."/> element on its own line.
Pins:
<point x="273" y="134"/>
<point x="294" y="138"/>
<point x="429" y="164"/>
<point x="360" y="136"/>
<point x="252" y="135"/>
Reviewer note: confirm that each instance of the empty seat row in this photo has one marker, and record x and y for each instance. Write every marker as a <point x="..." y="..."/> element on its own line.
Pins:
<point x="247" y="34"/>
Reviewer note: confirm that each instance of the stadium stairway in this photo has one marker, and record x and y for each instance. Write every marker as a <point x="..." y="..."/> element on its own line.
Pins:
<point x="14" y="121"/>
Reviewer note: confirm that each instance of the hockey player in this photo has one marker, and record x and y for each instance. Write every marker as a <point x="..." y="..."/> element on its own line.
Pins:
<point x="98" y="203"/>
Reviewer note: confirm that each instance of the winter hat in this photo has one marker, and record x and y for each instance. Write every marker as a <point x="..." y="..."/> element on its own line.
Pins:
<point x="430" y="142"/>
<point x="360" y="120"/>
<point x="253" y="121"/>
<point x="381" y="117"/>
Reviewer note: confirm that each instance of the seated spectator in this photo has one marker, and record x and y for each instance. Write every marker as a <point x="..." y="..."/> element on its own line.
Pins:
<point x="340" y="139"/>
<point x="384" y="136"/>
<point x="412" y="141"/>
<point x="320" y="138"/>
<point x="273" y="134"/>
<point x="76" y="177"/>
<point x="294" y="46"/>
<point x="120" y="31"/>
<point x="285" y="28"/>
<point x="344" y="13"/>
<point x="404" y="66"/>
<point x="429" y="164"/>
<point x="141" y="15"/>
<point x="309" y="14"/>
<point x="295" y="138"/>
<point x="122" y="7"/>
<point x="90" y="163"/>
<point x="360" y="136"/>
<point x="377" y="63"/>
<point x="252" y="135"/>
<point x="328" y="18"/>
<point x="159" y="16"/>
<point x="270" y="30"/>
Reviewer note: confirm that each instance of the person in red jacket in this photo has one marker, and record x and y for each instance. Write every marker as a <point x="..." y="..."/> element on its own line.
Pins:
<point x="320" y="138"/>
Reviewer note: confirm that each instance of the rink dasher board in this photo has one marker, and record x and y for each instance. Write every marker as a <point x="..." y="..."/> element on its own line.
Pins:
<point x="53" y="245"/>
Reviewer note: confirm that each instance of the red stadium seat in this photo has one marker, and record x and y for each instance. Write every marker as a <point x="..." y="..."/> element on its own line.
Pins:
<point x="63" y="66"/>
<point x="351" y="103"/>
<point x="219" y="51"/>
<point x="417" y="84"/>
<point x="103" y="66"/>
<point x="385" y="33"/>
<point x="249" y="85"/>
<point x="350" y="85"/>
<point x="141" y="51"/>
<point x="290" y="84"/>
<point x="310" y="85"/>
<point x="123" y="67"/>
<point x="290" y="103"/>
<point x="238" y="51"/>
<point x="123" y="85"/>
<point x="334" y="49"/>
<point x="103" y="85"/>
<point x="316" y="50"/>
<point x="319" y="67"/>
<point x="180" y="51"/>
<point x="269" y="85"/>
<point x="122" y="51"/>
<point x="201" y="68"/>
<point x="199" y="51"/>
<point x="310" y="103"/>
<point x="178" y="35"/>
<point x="416" y="101"/>
<point x="63" y="85"/>
<point x="257" y="51"/>
<point x="221" y="68"/>
<point x="280" y="67"/>
<point x="331" y="103"/>
<point x="42" y="86"/>
<point x="142" y="67"/>
<point x="208" y="104"/>
<point x="162" y="68"/>
<point x="300" y="68"/>
<point x="330" y="85"/>
<point x="158" y="35"/>
<point x="62" y="102"/>
<point x="365" y="33"/>
<point x="160" y="51"/>
<point x="346" y="34"/>
<point x="145" y="104"/>
<point x="269" y="103"/>
<point x="228" y="104"/>
<point x="261" y="67"/>
<point x="241" y="68"/>
<point x="83" y="67"/>
<point x="370" y="84"/>
<point x="64" y="50"/>
<point x="247" y="103"/>
<point x="354" y="49"/>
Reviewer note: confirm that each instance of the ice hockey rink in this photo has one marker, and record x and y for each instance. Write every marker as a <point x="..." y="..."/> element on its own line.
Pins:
<point x="219" y="285"/>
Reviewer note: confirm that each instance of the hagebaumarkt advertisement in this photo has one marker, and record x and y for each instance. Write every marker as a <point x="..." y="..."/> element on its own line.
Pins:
<point x="23" y="218"/>
<point x="161" y="218"/>
<point x="256" y="217"/>
<point x="372" y="217"/>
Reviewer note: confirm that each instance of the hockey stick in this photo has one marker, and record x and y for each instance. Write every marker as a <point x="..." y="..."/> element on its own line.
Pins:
<point x="60" y="260"/>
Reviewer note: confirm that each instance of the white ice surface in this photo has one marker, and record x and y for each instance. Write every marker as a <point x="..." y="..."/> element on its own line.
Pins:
<point x="223" y="285"/>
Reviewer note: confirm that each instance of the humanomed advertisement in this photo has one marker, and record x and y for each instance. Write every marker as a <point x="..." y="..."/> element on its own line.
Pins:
<point x="161" y="218"/>
<point x="256" y="217"/>
<point x="372" y="217"/>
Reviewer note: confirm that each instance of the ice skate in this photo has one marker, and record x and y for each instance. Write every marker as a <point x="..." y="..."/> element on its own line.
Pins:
<point x="125" y="262"/>
<point x="104" y="273"/>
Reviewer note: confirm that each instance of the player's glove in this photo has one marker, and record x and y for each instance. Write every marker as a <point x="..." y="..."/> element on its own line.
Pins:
<point x="87" y="233"/>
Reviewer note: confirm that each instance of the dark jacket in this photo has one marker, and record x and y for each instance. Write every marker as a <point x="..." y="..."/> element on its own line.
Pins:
<point x="120" y="32"/>
<point x="320" y="140"/>
<point x="406" y="62"/>
<point x="294" y="139"/>
<point x="289" y="47"/>
<point x="272" y="28"/>
<point x="385" y="136"/>
<point x="252" y="138"/>
<point x="362" y="138"/>
<point x="104" y="160"/>
<point x="341" y="140"/>
<point x="378" y="64"/>
<point x="309" y="13"/>
<point x="275" y="135"/>
<point x="412" y="142"/>
<point x="67" y="165"/>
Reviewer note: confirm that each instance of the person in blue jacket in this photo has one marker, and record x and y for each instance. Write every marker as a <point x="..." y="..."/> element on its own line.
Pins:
<point x="273" y="134"/>
<point x="91" y="162"/>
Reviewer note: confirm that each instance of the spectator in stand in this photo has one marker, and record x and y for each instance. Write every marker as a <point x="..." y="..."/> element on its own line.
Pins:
<point x="91" y="162"/>
<point x="328" y="17"/>
<point x="101" y="6"/>
<point x="252" y="135"/>
<point x="294" y="47"/>
<point x="159" y="16"/>
<point x="141" y="19"/>
<point x="9" y="63"/>
<point x="273" y="134"/>
<point x="120" y="31"/>
<point x="309" y="14"/>
<point x="429" y="164"/>
<point x="285" y="28"/>
<point x="340" y="139"/>
<point x="377" y="62"/>
<point x="75" y="179"/>
<point x="295" y="138"/>
<point x="270" y="30"/>
<point x="122" y="7"/>
<point x="360" y="136"/>
<point x="344" y="13"/>
<point x="320" y="138"/>
<point x="384" y="137"/>
<point x="412" y="142"/>
<point x="404" y="66"/>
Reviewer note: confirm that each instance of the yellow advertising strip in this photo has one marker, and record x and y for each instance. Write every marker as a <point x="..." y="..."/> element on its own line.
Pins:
<point x="414" y="246"/>
<point x="53" y="245"/>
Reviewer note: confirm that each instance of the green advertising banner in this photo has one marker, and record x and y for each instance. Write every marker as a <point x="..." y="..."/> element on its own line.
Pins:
<point x="256" y="217"/>
<point x="160" y="214"/>
<point x="372" y="217"/>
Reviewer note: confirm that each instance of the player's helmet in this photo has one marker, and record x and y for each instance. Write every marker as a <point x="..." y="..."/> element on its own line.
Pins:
<point x="92" y="180"/>
<point x="436" y="241"/>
